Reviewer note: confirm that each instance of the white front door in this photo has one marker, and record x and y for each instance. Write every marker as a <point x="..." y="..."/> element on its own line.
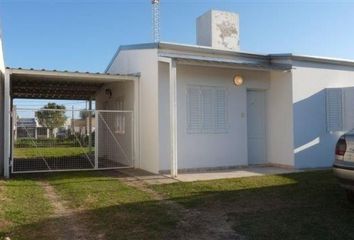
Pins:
<point x="256" y="103"/>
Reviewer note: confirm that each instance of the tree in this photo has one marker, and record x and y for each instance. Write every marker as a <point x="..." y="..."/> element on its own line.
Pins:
<point x="51" y="118"/>
<point x="84" y="114"/>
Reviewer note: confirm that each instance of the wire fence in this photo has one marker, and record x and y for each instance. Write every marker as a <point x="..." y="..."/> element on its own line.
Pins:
<point x="64" y="140"/>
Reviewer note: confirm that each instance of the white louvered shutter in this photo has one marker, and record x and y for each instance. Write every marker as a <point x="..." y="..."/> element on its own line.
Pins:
<point x="334" y="102"/>
<point x="208" y="116"/>
<point x="206" y="109"/>
<point x="221" y="117"/>
<point x="194" y="110"/>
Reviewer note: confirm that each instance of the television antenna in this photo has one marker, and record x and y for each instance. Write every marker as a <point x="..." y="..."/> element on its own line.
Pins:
<point x="156" y="20"/>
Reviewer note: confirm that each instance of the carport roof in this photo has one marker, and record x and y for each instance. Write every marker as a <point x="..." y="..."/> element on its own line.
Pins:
<point x="53" y="84"/>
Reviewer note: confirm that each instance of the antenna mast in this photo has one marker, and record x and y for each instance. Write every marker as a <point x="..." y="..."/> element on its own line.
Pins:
<point x="156" y="20"/>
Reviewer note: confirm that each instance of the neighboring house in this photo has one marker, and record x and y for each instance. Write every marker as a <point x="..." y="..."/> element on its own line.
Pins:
<point x="209" y="105"/>
<point x="30" y="128"/>
<point x="82" y="126"/>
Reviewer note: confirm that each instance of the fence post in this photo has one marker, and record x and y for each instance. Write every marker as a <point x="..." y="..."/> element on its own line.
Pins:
<point x="90" y="126"/>
<point x="132" y="129"/>
<point x="96" y="138"/>
<point x="7" y="125"/>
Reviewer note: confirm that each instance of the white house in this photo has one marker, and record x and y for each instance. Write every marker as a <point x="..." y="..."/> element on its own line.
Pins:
<point x="289" y="110"/>
<point x="212" y="106"/>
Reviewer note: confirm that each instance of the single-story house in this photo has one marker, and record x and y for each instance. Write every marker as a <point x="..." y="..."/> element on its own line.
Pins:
<point x="82" y="126"/>
<point x="210" y="105"/>
<point x="29" y="128"/>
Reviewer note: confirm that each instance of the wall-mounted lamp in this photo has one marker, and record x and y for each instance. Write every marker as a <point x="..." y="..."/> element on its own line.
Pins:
<point x="238" y="80"/>
<point x="108" y="92"/>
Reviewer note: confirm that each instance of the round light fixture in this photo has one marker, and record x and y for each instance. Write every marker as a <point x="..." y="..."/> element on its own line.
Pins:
<point x="238" y="80"/>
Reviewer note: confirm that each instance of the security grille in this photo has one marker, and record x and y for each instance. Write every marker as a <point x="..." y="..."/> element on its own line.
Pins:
<point x="49" y="140"/>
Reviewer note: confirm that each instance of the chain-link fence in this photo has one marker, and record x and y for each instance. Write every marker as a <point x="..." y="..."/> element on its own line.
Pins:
<point x="64" y="140"/>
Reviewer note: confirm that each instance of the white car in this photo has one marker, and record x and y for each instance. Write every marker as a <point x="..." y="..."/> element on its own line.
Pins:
<point x="344" y="163"/>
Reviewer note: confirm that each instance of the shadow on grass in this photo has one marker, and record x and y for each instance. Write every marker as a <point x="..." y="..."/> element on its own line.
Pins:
<point x="143" y="220"/>
<point x="308" y="205"/>
<point x="292" y="206"/>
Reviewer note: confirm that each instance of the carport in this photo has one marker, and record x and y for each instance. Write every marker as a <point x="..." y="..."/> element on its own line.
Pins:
<point x="112" y="132"/>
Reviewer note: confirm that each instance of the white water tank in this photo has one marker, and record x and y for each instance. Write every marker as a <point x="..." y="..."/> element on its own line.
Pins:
<point x="219" y="29"/>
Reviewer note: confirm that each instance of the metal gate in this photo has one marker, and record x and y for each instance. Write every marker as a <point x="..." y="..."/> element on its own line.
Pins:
<point x="49" y="140"/>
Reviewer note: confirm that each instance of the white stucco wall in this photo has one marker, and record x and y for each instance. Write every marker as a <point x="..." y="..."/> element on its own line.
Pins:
<point x="121" y="89"/>
<point x="280" y="132"/>
<point x="313" y="144"/>
<point x="164" y="117"/>
<point x="210" y="150"/>
<point x="144" y="61"/>
<point x="107" y="147"/>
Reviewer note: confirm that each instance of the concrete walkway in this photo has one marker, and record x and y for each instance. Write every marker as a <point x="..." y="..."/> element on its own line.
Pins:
<point x="233" y="173"/>
<point x="207" y="175"/>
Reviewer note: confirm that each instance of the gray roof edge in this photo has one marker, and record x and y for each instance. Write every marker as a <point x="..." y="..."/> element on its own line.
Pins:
<point x="185" y="47"/>
<point x="76" y="73"/>
<point x="264" y="64"/>
<point x="313" y="59"/>
<point x="205" y="49"/>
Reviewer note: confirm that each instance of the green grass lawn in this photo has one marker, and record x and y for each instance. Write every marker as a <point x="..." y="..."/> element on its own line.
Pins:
<point x="112" y="208"/>
<point x="22" y="210"/>
<point x="49" y="152"/>
<point x="107" y="207"/>
<point x="307" y="205"/>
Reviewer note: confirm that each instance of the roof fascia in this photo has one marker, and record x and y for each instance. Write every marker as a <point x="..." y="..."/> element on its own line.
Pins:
<point x="70" y="75"/>
<point x="291" y="58"/>
<point x="196" y="49"/>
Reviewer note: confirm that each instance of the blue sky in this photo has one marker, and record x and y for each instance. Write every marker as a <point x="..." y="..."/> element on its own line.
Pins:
<point x="84" y="34"/>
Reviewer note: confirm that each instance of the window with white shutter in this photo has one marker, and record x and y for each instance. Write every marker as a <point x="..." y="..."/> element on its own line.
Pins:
<point x="206" y="109"/>
<point x="208" y="113"/>
<point x="220" y="108"/>
<point x="194" y="111"/>
<point x="334" y="102"/>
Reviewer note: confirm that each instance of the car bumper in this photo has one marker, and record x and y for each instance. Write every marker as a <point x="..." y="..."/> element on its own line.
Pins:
<point x="345" y="174"/>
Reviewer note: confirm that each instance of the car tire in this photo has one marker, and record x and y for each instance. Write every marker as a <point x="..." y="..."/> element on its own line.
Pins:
<point x="350" y="196"/>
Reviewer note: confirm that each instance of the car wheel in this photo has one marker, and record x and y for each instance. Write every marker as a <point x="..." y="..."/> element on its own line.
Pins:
<point x="350" y="196"/>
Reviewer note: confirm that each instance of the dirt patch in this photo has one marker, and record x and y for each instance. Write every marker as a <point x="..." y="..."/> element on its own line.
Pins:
<point x="193" y="224"/>
<point x="68" y="224"/>
<point x="3" y="223"/>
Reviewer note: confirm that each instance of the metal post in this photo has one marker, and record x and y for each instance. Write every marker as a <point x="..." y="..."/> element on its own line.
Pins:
<point x="13" y="120"/>
<point x="14" y="124"/>
<point x="90" y="126"/>
<point x="14" y="135"/>
<point x="72" y="120"/>
<point x="96" y="138"/>
<point x="173" y="118"/>
<point x="7" y="125"/>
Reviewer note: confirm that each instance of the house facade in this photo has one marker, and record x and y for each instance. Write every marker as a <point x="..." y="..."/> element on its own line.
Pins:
<point x="289" y="111"/>
<point x="211" y="106"/>
<point x="30" y="128"/>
